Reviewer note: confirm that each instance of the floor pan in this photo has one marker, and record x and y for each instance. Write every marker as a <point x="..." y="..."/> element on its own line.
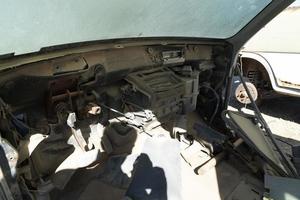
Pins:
<point x="156" y="171"/>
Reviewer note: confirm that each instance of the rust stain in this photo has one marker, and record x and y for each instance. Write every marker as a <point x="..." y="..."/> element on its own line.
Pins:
<point x="288" y="84"/>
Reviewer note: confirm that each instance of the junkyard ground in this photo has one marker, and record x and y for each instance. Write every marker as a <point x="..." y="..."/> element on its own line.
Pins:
<point x="283" y="117"/>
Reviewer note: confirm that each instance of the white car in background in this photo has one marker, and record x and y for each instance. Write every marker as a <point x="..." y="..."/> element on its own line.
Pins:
<point x="271" y="58"/>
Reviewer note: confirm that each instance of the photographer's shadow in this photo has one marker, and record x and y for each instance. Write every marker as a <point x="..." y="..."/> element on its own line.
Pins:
<point x="121" y="175"/>
<point x="148" y="182"/>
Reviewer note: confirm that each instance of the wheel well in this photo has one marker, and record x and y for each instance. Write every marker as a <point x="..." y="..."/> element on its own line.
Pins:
<point x="256" y="73"/>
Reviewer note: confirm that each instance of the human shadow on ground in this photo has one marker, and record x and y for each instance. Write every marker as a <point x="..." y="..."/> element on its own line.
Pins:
<point x="117" y="175"/>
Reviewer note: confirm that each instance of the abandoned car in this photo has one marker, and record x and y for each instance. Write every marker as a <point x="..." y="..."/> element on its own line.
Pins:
<point x="129" y="100"/>
<point x="270" y="59"/>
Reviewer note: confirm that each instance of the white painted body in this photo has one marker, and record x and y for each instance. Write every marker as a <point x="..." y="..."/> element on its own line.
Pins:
<point x="280" y="67"/>
<point x="277" y="48"/>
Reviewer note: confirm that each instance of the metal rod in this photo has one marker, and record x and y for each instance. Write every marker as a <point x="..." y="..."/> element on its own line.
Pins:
<point x="266" y="127"/>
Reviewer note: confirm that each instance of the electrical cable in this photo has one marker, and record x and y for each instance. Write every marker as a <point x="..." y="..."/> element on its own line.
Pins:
<point x="217" y="104"/>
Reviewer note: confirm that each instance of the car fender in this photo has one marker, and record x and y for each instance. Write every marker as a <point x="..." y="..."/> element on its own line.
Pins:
<point x="278" y="87"/>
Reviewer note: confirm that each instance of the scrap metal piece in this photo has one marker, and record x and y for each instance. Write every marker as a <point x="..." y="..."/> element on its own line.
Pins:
<point x="210" y="164"/>
<point x="195" y="155"/>
<point x="76" y="132"/>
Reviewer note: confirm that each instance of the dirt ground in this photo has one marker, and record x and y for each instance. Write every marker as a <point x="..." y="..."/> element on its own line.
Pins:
<point x="283" y="116"/>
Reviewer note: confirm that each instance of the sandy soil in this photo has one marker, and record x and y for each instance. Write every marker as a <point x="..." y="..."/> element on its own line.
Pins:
<point x="283" y="116"/>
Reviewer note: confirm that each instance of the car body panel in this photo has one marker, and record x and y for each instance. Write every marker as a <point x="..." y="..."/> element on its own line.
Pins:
<point x="282" y="69"/>
<point x="286" y="68"/>
<point x="274" y="48"/>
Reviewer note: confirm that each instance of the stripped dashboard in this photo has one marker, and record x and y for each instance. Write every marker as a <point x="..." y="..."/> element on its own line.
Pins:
<point x="52" y="108"/>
